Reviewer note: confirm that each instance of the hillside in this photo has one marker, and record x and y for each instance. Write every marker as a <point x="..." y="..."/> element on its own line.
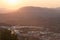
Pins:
<point x="32" y="16"/>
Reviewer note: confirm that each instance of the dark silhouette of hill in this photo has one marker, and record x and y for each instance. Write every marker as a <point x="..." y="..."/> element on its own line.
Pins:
<point x="32" y="16"/>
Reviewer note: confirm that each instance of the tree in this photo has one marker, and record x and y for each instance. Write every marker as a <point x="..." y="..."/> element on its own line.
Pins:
<point x="6" y="35"/>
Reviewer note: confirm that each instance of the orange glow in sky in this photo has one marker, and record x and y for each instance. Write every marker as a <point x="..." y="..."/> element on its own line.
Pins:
<point x="15" y="4"/>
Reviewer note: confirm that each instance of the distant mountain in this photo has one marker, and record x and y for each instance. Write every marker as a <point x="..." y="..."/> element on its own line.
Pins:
<point x="38" y="11"/>
<point x="32" y="16"/>
<point x="57" y="8"/>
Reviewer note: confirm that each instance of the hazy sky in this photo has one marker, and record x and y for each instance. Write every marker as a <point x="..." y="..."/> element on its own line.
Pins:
<point x="40" y="3"/>
<point x="43" y="3"/>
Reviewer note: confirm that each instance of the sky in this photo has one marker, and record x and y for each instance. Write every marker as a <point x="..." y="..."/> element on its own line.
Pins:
<point x="5" y="5"/>
<point x="43" y="3"/>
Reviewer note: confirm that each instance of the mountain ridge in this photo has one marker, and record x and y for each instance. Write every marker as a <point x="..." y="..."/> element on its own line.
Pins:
<point x="31" y="16"/>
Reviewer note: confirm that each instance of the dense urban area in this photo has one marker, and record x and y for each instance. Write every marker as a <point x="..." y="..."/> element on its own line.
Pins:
<point x="33" y="33"/>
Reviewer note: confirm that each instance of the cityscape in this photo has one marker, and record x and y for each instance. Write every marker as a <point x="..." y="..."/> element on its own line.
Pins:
<point x="33" y="33"/>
